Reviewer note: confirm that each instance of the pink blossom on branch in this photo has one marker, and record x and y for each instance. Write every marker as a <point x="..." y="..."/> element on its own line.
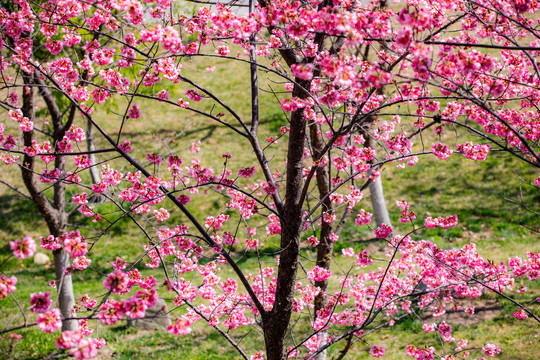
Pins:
<point x="441" y="151"/>
<point x="377" y="351"/>
<point x="246" y="173"/>
<point x="7" y="285"/>
<point x="429" y="327"/>
<point x="161" y="214"/>
<point x="117" y="282"/>
<point x="75" y="244"/>
<point x="304" y="72"/>
<point x="50" y="321"/>
<point x="193" y="95"/>
<point x="363" y="218"/>
<point x="68" y="339"/>
<point x="319" y="274"/>
<point x="40" y="302"/>
<point x="383" y="231"/>
<point x="491" y="350"/>
<point x="363" y="259"/>
<point x="81" y="262"/>
<point x="50" y="243"/>
<point x="180" y="327"/>
<point x="153" y="158"/>
<point x="520" y="314"/>
<point x="23" y="249"/>
<point x="85" y="349"/>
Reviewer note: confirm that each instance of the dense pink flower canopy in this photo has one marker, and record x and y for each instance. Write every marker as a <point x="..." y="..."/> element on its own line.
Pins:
<point x="428" y="66"/>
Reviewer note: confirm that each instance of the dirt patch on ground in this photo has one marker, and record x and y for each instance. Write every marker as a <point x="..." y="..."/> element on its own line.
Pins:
<point x="106" y="352"/>
<point x="377" y="249"/>
<point x="484" y="309"/>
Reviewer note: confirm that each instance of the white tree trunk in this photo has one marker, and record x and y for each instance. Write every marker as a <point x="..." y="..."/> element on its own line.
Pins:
<point x="66" y="299"/>
<point x="94" y="173"/>
<point x="378" y="203"/>
<point x="323" y="337"/>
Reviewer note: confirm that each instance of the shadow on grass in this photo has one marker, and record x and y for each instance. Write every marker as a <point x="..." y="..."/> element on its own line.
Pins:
<point x="15" y="210"/>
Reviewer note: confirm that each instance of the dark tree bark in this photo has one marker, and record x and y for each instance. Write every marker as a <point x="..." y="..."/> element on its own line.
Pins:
<point x="55" y="215"/>
<point x="276" y="322"/>
<point x="325" y="246"/>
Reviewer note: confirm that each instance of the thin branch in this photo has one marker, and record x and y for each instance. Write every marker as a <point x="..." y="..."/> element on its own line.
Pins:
<point x="16" y="189"/>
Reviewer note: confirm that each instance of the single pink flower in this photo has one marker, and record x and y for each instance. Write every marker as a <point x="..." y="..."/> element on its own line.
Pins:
<point x="50" y="321"/>
<point x="377" y="351"/>
<point x="491" y="350"/>
<point x="86" y="349"/>
<point x="180" y="327"/>
<point x="68" y="339"/>
<point x="23" y="249"/>
<point x="383" y="232"/>
<point x="40" y="302"/>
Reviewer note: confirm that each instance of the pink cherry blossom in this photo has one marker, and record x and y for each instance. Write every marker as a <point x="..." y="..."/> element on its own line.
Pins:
<point x="304" y="72"/>
<point x="258" y="356"/>
<point x="313" y="241"/>
<point x="153" y="158"/>
<point x="429" y="327"/>
<point x="110" y="312"/>
<point x="348" y="252"/>
<point x="23" y="249"/>
<point x="81" y="262"/>
<point x="40" y="302"/>
<point x="68" y="339"/>
<point x="383" y="231"/>
<point x="117" y="282"/>
<point x="180" y="327"/>
<point x="75" y="244"/>
<point x="7" y="285"/>
<point x="134" y="112"/>
<point x="377" y="351"/>
<point x="246" y="173"/>
<point x="431" y="223"/>
<point x="193" y="95"/>
<point x="85" y="349"/>
<point x="363" y="218"/>
<point x="126" y="146"/>
<point x="363" y="259"/>
<point x="520" y="314"/>
<point x="50" y="321"/>
<point x="441" y="151"/>
<point x="319" y="274"/>
<point x="491" y="350"/>
<point x="182" y="103"/>
<point x="161" y="214"/>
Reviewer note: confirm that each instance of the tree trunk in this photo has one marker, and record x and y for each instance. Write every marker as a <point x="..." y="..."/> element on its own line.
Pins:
<point x="66" y="299"/>
<point x="276" y="322"/>
<point x="379" y="205"/>
<point x="376" y="189"/>
<point x="94" y="173"/>
<point x="326" y="246"/>
<point x="64" y="283"/>
<point x="55" y="216"/>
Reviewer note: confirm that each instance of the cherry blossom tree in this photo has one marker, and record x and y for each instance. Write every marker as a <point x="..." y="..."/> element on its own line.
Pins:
<point x="364" y="86"/>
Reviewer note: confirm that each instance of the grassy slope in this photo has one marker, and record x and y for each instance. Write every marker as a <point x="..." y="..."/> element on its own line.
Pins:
<point x="473" y="190"/>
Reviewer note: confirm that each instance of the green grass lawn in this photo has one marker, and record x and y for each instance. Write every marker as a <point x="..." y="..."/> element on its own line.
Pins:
<point x="477" y="192"/>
